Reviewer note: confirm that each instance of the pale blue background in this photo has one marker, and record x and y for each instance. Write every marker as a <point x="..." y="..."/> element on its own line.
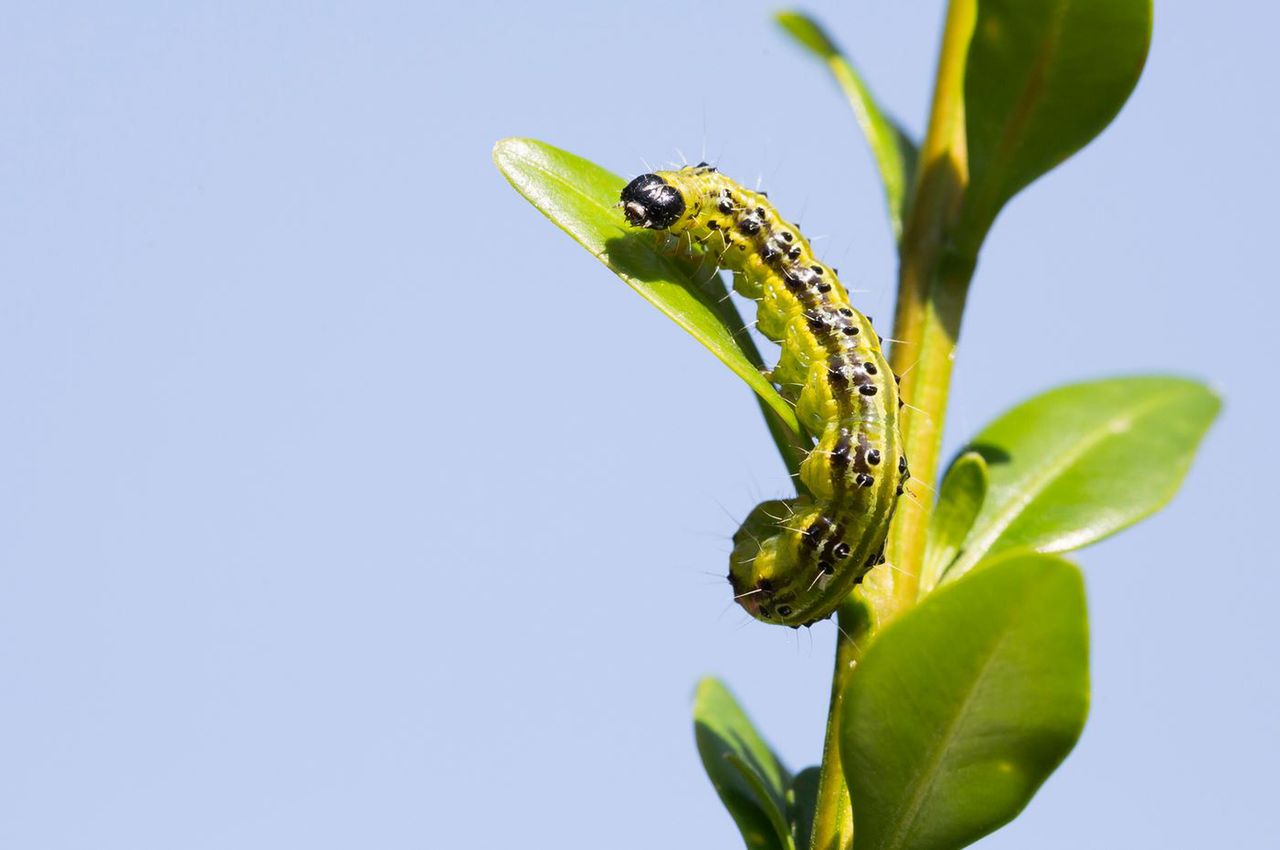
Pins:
<point x="327" y="522"/>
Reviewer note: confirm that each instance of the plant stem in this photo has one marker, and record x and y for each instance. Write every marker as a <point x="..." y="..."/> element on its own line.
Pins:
<point x="833" y="816"/>
<point x="932" y="288"/>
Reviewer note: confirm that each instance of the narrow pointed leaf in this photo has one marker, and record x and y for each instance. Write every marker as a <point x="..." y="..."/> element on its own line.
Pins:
<point x="964" y="706"/>
<point x="580" y="198"/>
<point x="1043" y="78"/>
<point x="751" y="781"/>
<point x="894" y="151"/>
<point x="1083" y="461"/>
<point x="959" y="499"/>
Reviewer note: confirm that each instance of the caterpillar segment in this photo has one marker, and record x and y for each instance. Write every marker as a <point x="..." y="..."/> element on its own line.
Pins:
<point x="794" y="560"/>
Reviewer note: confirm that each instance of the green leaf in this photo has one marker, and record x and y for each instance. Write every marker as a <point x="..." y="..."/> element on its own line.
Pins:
<point x="959" y="499"/>
<point x="1080" y="462"/>
<point x="1043" y="78"/>
<point x="893" y="149"/>
<point x="751" y="781"/>
<point x="802" y="803"/>
<point x="961" y="708"/>
<point x="580" y="198"/>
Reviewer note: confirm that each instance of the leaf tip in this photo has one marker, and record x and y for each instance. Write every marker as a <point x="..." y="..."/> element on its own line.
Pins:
<point x="504" y="150"/>
<point x="707" y="687"/>
<point x="1216" y="396"/>
<point x="806" y="32"/>
<point x="1210" y="393"/>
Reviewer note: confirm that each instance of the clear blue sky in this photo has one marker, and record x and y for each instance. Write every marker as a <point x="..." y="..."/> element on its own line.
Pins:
<point x="346" y="503"/>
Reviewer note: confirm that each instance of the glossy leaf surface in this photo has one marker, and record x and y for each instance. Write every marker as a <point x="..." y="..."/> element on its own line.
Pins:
<point x="1043" y="78"/>
<point x="961" y="708"/>
<point x="1083" y="461"/>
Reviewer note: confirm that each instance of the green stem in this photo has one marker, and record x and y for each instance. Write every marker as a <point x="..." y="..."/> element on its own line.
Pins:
<point x="932" y="288"/>
<point x="833" y="816"/>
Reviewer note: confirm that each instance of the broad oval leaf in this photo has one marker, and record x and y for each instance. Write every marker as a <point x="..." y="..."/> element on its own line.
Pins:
<point x="894" y="151"/>
<point x="963" y="490"/>
<point x="961" y="708"/>
<point x="580" y="198"/>
<point x="750" y="779"/>
<point x="1043" y="77"/>
<point x="1083" y="461"/>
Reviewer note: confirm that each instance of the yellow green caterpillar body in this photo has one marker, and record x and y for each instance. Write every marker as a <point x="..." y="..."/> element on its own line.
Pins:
<point x="794" y="560"/>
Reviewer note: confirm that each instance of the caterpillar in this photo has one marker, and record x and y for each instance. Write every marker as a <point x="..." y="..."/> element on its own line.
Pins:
<point x="794" y="560"/>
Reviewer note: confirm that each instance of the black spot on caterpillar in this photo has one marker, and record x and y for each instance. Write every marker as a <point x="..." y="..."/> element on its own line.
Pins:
<point x="794" y="560"/>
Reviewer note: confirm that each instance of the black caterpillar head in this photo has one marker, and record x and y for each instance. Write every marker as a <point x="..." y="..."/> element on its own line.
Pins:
<point x="649" y="201"/>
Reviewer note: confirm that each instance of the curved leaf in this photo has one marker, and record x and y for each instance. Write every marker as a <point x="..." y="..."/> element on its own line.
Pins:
<point x="580" y="198"/>
<point x="966" y="704"/>
<point x="751" y="781"/>
<point x="1043" y="78"/>
<point x="1078" y="463"/>
<point x="893" y="149"/>
<point x="963" y="490"/>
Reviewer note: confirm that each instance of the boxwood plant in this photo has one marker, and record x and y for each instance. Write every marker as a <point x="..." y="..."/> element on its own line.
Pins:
<point x="961" y="677"/>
